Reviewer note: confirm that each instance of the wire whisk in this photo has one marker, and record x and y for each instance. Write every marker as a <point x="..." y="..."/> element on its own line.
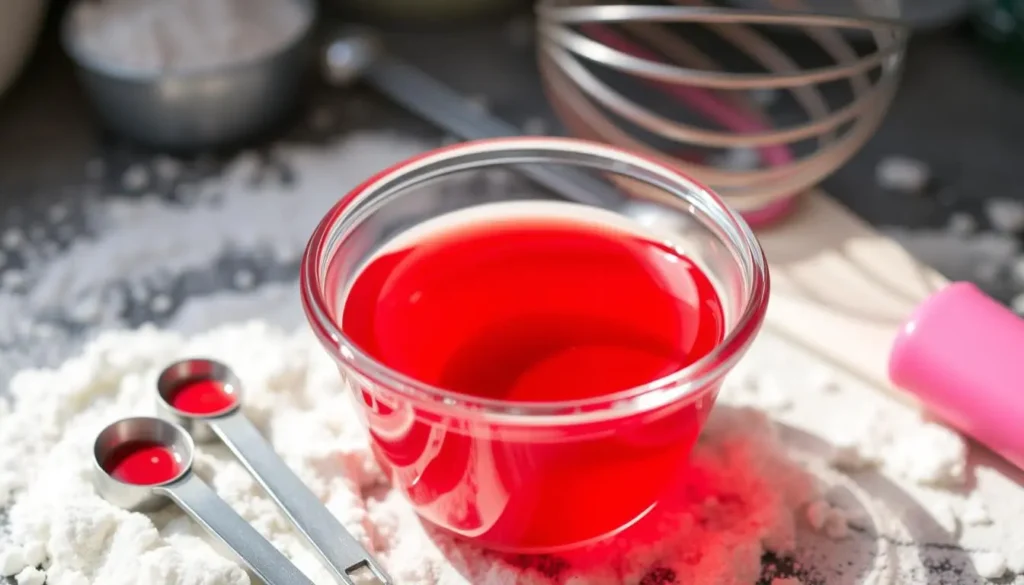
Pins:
<point x="787" y="97"/>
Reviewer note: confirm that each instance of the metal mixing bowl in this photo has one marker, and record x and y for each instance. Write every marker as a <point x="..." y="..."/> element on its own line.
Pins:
<point x="201" y="108"/>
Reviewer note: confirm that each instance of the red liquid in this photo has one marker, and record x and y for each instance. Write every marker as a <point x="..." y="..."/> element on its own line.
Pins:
<point x="543" y="309"/>
<point x="203" y="397"/>
<point x="143" y="463"/>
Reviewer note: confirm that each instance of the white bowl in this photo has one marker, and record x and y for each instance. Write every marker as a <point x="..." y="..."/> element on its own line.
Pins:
<point x="20" y="21"/>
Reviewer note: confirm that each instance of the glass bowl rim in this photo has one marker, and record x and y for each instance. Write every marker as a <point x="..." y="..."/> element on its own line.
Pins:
<point x="669" y="389"/>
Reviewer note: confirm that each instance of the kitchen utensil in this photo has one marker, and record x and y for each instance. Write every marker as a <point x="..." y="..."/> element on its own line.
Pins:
<point x="593" y="58"/>
<point x="172" y="446"/>
<point x="223" y="419"/>
<point x="957" y="353"/>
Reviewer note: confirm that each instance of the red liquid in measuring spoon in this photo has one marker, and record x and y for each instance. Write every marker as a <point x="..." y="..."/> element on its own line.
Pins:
<point x="202" y="396"/>
<point x="143" y="463"/>
<point x="538" y="309"/>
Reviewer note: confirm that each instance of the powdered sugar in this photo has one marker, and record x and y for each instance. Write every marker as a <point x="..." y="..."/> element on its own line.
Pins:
<point x="185" y="34"/>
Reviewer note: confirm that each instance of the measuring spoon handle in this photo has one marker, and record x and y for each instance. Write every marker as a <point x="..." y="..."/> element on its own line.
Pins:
<point x="197" y="499"/>
<point x="339" y="549"/>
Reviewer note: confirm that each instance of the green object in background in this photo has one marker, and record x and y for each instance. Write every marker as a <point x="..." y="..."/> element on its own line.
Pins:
<point x="1000" y="24"/>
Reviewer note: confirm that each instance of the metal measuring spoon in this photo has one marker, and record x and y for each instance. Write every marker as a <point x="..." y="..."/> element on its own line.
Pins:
<point x="160" y="456"/>
<point x="206" y="415"/>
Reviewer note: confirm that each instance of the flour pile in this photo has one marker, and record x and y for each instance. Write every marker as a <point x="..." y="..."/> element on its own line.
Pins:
<point x="744" y="497"/>
<point x="748" y="496"/>
<point x="160" y="35"/>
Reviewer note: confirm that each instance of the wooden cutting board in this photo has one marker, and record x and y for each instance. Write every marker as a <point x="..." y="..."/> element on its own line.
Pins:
<point x="840" y="289"/>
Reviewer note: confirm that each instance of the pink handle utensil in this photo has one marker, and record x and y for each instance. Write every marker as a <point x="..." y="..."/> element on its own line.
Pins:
<point x="960" y="354"/>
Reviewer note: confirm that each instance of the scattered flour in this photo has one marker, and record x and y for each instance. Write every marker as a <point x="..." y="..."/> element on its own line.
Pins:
<point x="135" y="178"/>
<point x="904" y="174"/>
<point x="241" y="210"/>
<point x="975" y="511"/>
<point x="753" y="497"/>
<point x="829" y="520"/>
<point x="31" y="576"/>
<point x="185" y="34"/>
<point x="962" y="224"/>
<point x="915" y="449"/>
<point x="978" y="257"/>
<point x="1017" y="271"/>
<point x="743" y="501"/>
<point x="12" y="560"/>
<point x="930" y="454"/>
<point x="1015" y="560"/>
<point x="1005" y="215"/>
<point x="990" y="565"/>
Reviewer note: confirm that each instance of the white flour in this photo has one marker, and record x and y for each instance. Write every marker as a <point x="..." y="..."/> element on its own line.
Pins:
<point x="753" y="498"/>
<point x="145" y="243"/>
<point x="159" y="35"/>
<point x="240" y="210"/>
<point x="751" y="493"/>
<point x="842" y="521"/>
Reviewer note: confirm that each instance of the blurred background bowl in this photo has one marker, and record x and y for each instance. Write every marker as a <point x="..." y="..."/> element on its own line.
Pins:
<point x="20" y="23"/>
<point x="197" y="109"/>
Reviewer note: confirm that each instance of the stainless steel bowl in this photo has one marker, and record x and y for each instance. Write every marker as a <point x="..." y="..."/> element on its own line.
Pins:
<point x="201" y="108"/>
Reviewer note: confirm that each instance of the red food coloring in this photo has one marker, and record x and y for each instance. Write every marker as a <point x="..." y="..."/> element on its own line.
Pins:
<point x="540" y="310"/>
<point x="143" y="463"/>
<point x="203" y="396"/>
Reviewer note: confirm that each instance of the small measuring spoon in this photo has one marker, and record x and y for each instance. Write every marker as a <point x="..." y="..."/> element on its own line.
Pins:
<point x="203" y="396"/>
<point x="143" y="463"/>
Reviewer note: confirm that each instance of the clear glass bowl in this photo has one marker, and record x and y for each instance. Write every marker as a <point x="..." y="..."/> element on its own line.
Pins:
<point x="515" y="476"/>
